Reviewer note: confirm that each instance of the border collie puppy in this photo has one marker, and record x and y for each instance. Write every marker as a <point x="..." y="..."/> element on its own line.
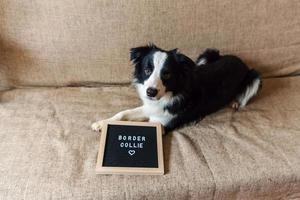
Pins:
<point x="175" y="90"/>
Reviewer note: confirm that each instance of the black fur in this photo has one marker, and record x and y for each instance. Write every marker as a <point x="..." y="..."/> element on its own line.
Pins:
<point x="199" y="90"/>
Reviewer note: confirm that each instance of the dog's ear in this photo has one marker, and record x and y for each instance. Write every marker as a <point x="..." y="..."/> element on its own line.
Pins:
<point x="174" y="51"/>
<point x="182" y="59"/>
<point x="138" y="53"/>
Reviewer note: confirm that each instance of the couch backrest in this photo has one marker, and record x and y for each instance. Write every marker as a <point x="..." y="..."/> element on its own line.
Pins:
<point x="69" y="42"/>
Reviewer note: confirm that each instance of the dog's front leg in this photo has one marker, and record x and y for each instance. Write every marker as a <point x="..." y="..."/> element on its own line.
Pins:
<point x="136" y="114"/>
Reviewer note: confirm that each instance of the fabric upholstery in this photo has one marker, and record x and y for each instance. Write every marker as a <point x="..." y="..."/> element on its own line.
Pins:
<point x="48" y="151"/>
<point x="47" y="148"/>
<point x="87" y="42"/>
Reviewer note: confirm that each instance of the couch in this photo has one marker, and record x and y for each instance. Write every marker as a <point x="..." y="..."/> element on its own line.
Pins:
<point x="65" y="64"/>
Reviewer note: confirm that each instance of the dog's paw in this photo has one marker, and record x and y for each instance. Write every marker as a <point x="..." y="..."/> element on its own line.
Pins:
<point x="97" y="126"/>
<point x="235" y="105"/>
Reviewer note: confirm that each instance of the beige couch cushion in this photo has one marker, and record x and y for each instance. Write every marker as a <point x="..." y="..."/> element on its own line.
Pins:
<point x="48" y="151"/>
<point x="85" y="42"/>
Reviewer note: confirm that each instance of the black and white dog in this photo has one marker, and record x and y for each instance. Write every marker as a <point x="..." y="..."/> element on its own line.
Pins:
<point x="176" y="91"/>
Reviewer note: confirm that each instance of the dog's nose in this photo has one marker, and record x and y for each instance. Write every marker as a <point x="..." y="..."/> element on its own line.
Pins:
<point x="151" y="92"/>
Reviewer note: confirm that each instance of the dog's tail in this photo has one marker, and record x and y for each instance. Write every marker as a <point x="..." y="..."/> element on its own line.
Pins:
<point x="250" y="87"/>
<point x="208" y="56"/>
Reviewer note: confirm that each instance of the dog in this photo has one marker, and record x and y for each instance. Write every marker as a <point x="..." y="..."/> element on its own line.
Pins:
<point x="176" y="91"/>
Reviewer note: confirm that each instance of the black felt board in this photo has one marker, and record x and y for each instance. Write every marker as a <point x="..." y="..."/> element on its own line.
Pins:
<point x="128" y="155"/>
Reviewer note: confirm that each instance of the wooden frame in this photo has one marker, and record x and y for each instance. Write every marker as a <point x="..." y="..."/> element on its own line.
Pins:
<point x="100" y="169"/>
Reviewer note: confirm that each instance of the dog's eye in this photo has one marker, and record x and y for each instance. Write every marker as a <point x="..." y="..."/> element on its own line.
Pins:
<point x="148" y="71"/>
<point x="166" y="75"/>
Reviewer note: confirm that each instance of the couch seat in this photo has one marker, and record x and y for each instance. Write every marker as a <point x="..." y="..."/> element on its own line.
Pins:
<point x="48" y="151"/>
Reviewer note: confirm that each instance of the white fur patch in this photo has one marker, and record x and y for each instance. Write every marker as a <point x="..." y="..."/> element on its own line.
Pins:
<point x="154" y="80"/>
<point x="154" y="109"/>
<point x="202" y="61"/>
<point x="250" y="91"/>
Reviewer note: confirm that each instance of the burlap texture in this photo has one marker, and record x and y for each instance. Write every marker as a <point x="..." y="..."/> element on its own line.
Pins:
<point x="86" y="42"/>
<point x="48" y="151"/>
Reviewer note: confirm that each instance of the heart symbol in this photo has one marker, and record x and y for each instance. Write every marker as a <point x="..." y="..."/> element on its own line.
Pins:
<point x="131" y="152"/>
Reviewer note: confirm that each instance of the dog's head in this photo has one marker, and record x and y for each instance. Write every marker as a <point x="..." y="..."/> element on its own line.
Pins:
<point x="160" y="73"/>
